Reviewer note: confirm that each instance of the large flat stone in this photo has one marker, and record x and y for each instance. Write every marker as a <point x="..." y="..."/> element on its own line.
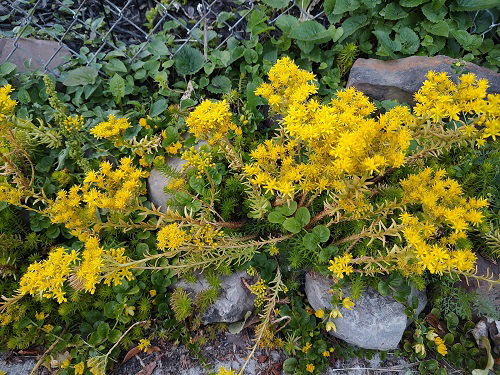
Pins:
<point x="376" y="322"/>
<point x="44" y="54"/>
<point x="233" y="302"/>
<point x="400" y="79"/>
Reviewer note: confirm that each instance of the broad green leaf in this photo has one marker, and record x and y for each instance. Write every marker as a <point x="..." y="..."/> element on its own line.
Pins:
<point x="475" y="4"/>
<point x="220" y="85"/>
<point x="85" y="75"/>
<point x="6" y="68"/>
<point x="157" y="47"/>
<point x="277" y="4"/>
<point x="290" y="365"/>
<point x="310" y="31"/>
<point x="386" y="42"/>
<point x="344" y="6"/>
<point x="117" y="87"/>
<point x="292" y="225"/>
<point x="303" y="216"/>
<point x="321" y="232"/>
<point x="188" y="60"/>
<point x="114" y="335"/>
<point x="352" y="24"/>
<point x="287" y="23"/>
<point x="409" y="40"/>
<point x="440" y="28"/>
<point x="383" y="288"/>
<point x="275" y="217"/>
<point x="468" y="41"/>
<point x="310" y="241"/>
<point x="393" y="11"/>
<point x="103" y="330"/>
<point x="115" y="65"/>
<point x="432" y="14"/>
<point x="158" y="107"/>
<point x="411" y="3"/>
<point x="221" y="58"/>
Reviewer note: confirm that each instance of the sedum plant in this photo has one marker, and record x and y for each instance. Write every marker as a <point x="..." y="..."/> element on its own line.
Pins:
<point x="337" y="187"/>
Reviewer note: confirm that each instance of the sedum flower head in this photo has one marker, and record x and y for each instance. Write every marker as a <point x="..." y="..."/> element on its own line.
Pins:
<point x="7" y="104"/>
<point x="171" y="237"/>
<point x="211" y="121"/>
<point x="46" y="278"/>
<point x="339" y="266"/>
<point x="112" y="128"/>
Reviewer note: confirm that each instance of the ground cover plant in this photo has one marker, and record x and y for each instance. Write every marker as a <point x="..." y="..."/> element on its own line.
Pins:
<point x="327" y="183"/>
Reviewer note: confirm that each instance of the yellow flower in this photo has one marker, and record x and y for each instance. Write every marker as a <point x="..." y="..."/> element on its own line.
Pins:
<point x="171" y="237"/>
<point x="40" y="316"/>
<point x="310" y="367"/>
<point x="326" y="353"/>
<point x="223" y="371"/>
<point x="144" y="345"/>
<point x="112" y="128"/>
<point x="420" y="349"/>
<point x="143" y="122"/>
<point x="330" y="325"/>
<point x="340" y="266"/>
<point x="440" y="346"/>
<point x="348" y="303"/>
<point x="174" y="148"/>
<point x="431" y="335"/>
<point x="152" y="292"/>
<point x="306" y="347"/>
<point x="48" y="328"/>
<point x="66" y="363"/>
<point x="79" y="368"/>
<point x="319" y="313"/>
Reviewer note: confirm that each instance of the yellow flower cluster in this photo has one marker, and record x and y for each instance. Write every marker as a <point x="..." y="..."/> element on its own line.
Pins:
<point x="324" y="143"/>
<point x="198" y="159"/>
<point x="106" y="188"/>
<point x="260" y="290"/>
<point x="174" y="148"/>
<point x="74" y="123"/>
<point x="440" y="99"/>
<point x="7" y="104"/>
<point x="444" y="210"/>
<point x="46" y="278"/>
<point x="340" y="266"/>
<point x="144" y="345"/>
<point x="288" y="84"/>
<point x="112" y="128"/>
<point x="205" y="236"/>
<point x="117" y="272"/>
<point x="223" y="371"/>
<point x="170" y="237"/>
<point x="440" y="346"/>
<point x="10" y="194"/>
<point x="89" y="271"/>
<point x="211" y="121"/>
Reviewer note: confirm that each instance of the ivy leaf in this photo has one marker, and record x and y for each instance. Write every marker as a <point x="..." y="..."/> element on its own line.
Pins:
<point x="411" y="3"/>
<point x="103" y="330"/>
<point x="310" y="241"/>
<point x="475" y="4"/>
<point x="117" y="87"/>
<point x="85" y="75"/>
<point x="292" y="225"/>
<point x="393" y="11"/>
<point x="303" y="216"/>
<point x="275" y="217"/>
<point x="188" y="60"/>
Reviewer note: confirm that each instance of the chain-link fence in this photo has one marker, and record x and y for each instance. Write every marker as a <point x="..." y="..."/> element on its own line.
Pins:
<point x="99" y="27"/>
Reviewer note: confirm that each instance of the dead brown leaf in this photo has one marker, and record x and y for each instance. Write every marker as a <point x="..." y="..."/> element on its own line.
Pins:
<point x="148" y="369"/>
<point x="131" y="353"/>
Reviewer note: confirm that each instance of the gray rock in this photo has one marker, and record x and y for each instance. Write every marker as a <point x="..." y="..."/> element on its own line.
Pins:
<point x="16" y="365"/>
<point x="400" y="79"/>
<point x="494" y="330"/>
<point x="44" y="54"/>
<point x="376" y="322"/>
<point x="489" y="293"/>
<point x="157" y="182"/>
<point x="363" y="366"/>
<point x="233" y="302"/>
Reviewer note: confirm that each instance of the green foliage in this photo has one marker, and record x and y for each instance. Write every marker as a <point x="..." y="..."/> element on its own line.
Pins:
<point x="181" y="304"/>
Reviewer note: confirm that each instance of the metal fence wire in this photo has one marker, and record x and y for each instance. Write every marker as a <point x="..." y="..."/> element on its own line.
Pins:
<point x="103" y="26"/>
